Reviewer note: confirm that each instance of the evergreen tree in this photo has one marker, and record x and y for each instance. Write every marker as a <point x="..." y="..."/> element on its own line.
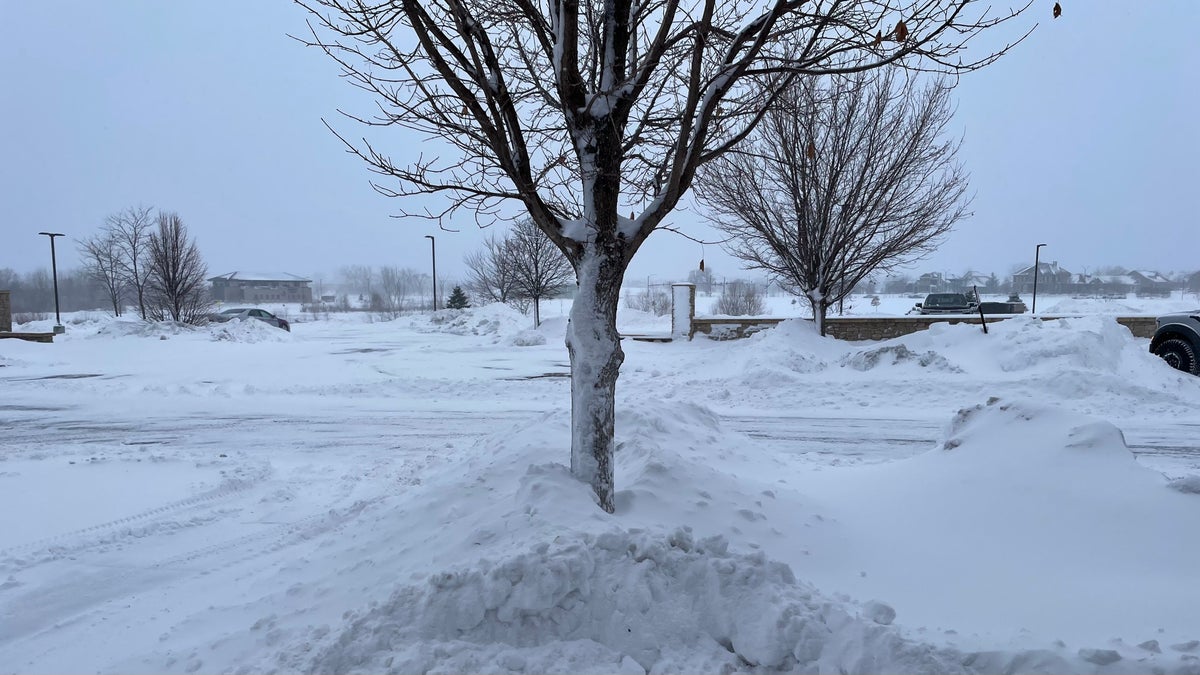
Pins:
<point x="458" y="299"/>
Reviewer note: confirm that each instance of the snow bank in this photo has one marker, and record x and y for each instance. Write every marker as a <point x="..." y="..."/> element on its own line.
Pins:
<point x="124" y="328"/>
<point x="497" y="321"/>
<point x="528" y="338"/>
<point x="236" y="330"/>
<point x="675" y="581"/>
<point x="1033" y="520"/>
<point x="556" y="586"/>
<point x="1091" y="364"/>
<point x="247" y="330"/>
<point x="625" y="602"/>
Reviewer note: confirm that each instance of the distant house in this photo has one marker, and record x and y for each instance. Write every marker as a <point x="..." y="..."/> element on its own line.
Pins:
<point x="932" y="282"/>
<point x="1148" y="283"/>
<point x="1050" y="279"/>
<point x="1105" y="284"/>
<point x="258" y="287"/>
<point x="1192" y="282"/>
<point x="971" y="280"/>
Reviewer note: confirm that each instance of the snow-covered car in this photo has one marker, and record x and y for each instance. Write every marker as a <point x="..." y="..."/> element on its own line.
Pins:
<point x="1177" y="341"/>
<point x="250" y="313"/>
<point x="945" y="303"/>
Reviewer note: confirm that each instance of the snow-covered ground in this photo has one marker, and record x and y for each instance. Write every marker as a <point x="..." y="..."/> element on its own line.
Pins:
<point x="392" y="497"/>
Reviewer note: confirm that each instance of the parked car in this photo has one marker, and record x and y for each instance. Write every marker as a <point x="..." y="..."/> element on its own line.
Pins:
<point x="1177" y="341"/>
<point x="250" y="313"/>
<point x="945" y="303"/>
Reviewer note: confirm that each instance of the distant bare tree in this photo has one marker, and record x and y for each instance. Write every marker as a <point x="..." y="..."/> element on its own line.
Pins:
<point x="539" y="268"/>
<point x="846" y="176"/>
<point x="655" y="302"/>
<point x="358" y="279"/>
<point x="704" y="280"/>
<point x="102" y="262"/>
<point x="130" y="230"/>
<point x="395" y="287"/>
<point x="739" y="298"/>
<point x="177" y="287"/>
<point x="490" y="273"/>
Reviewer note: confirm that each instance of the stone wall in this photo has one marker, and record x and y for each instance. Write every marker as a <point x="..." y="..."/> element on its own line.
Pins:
<point x="842" y="328"/>
<point x="877" y="328"/>
<point x="5" y="312"/>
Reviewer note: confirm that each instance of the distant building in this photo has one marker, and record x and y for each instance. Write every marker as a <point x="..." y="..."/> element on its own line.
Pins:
<point x="1050" y="279"/>
<point x="1148" y="283"/>
<point x="258" y="287"/>
<point x="972" y="280"/>
<point x="933" y="282"/>
<point x="1192" y="282"/>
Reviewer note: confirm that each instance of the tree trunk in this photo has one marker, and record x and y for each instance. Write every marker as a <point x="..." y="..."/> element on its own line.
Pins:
<point x="596" y="356"/>
<point x="819" y="309"/>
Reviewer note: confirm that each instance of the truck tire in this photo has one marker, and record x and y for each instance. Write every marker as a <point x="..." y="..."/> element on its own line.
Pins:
<point x="1179" y="354"/>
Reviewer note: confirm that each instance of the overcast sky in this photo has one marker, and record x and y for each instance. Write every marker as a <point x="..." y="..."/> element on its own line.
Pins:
<point x="1086" y="137"/>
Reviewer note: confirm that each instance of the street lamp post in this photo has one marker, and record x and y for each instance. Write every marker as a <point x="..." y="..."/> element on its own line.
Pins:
<point x="58" y="327"/>
<point x="433" y="256"/>
<point x="1036" y="255"/>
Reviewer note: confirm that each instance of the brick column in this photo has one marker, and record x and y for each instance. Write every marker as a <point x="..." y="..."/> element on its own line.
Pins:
<point x="683" y="309"/>
<point x="5" y="312"/>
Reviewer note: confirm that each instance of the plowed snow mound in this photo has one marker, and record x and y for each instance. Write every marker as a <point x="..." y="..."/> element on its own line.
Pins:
<point x="622" y="602"/>
<point x="894" y="355"/>
<point x="121" y="328"/>
<point x="497" y="320"/>
<point x="247" y="330"/>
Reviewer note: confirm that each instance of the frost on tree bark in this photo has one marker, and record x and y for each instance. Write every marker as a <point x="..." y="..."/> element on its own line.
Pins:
<point x="576" y="111"/>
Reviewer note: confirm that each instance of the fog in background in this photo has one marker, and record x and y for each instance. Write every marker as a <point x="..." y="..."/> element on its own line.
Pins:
<point x="1084" y="137"/>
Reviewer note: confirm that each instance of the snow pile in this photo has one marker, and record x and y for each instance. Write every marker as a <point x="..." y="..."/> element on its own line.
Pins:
<point x="624" y="602"/>
<point x="896" y="354"/>
<point x="497" y="321"/>
<point x="1015" y="492"/>
<point x="247" y="330"/>
<point x="630" y="320"/>
<point x="528" y="338"/>
<point x="1092" y="343"/>
<point x="162" y="330"/>
<point x="556" y="586"/>
<point x="1124" y="306"/>
<point x="697" y="570"/>
<point x="793" y="347"/>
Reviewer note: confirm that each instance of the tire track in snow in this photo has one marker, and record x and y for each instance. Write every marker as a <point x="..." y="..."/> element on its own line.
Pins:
<point x="77" y="597"/>
<point x="25" y="555"/>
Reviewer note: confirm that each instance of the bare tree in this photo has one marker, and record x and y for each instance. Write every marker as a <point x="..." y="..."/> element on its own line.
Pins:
<point x="177" y="286"/>
<point x="490" y="274"/>
<point x="395" y="287"/>
<point x="740" y="298"/>
<point x="539" y="268"/>
<point x="130" y="230"/>
<point x="847" y="175"/>
<point x="655" y="302"/>
<point x="704" y="280"/>
<point x="580" y="112"/>
<point x="102" y="263"/>
<point x="358" y="279"/>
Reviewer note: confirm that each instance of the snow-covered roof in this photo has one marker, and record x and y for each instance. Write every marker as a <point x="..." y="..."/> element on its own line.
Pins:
<point x="1044" y="269"/>
<point x="259" y="276"/>
<point x="1155" y="277"/>
<point x="1113" y="279"/>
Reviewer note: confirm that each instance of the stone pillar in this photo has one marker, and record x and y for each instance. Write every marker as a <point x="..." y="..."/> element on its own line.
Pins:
<point x="683" y="310"/>
<point x="5" y="312"/>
